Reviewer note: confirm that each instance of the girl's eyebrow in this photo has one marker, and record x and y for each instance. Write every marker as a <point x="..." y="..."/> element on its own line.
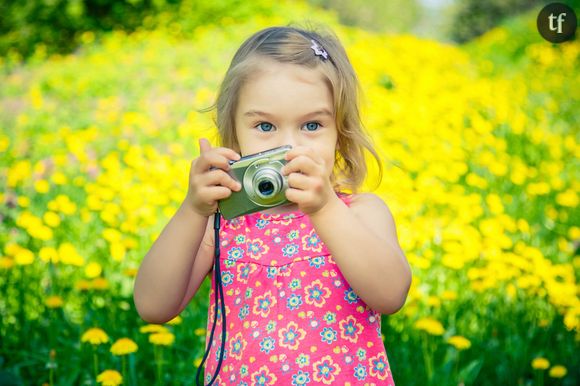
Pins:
<point x="323" y="111"/>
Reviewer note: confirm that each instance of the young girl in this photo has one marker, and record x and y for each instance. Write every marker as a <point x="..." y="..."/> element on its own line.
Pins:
<point x="305" y="283"/>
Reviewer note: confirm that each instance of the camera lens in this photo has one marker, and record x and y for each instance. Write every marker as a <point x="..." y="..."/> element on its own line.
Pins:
<point x="264" y="184"/>
<point x="267" y="183"/>
<point x="266" y="187"/>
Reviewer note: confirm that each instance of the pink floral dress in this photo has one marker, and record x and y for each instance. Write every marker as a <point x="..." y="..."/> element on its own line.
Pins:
<point x="292" y="318"/>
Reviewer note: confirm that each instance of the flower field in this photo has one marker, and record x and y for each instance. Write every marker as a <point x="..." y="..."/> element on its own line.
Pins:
<point x="481" y="171"/>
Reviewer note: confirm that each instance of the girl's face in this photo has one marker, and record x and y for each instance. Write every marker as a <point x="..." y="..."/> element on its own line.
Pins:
<point x="286" y="104"/>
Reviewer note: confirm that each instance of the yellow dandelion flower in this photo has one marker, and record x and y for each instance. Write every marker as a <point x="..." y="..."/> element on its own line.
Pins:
<point x="110" y="378"/>
<point x="95" y="336"/>
<point x="511" y="291"/>
<point x="86" y="215"/>
<point x="494" y="203"/>
<point x="130" y="272"/>
<point x="523" y="226"/>
<point x="175" y="321"/>
<point x="83" y="285"/>
<point x="28" y="220"/>
<point x="24" y="257"/>
<point x="4" y="143"/>
<point x="434" y="301"/>
<point x="572" y="318"/>
<point x="69" y="255"/>
<point x="453" y="260"/>
<point x="112" y="235"/>
<point x="574" y="233"/>
<point x="60" y="159"/>
<point x="540" y="363"/>
<point x="558" y="371"/>
<point x="79" y="181"/>
<point x="543" y="323"/>
<point x="35" y="97"/>
<point x="567" y="198"/>
<point x="23" y="202"/>
<point x="6" y="263"/>
<point x="47" y="254"/>
<point x="130" y="243"/>
<point x="54" y="301"/>
<point x="199" y="331"/>
<point x="124" y="346"/>
<point x="430" y="325"/>
<point x="100" y="283"/>
<point x="459" y="342"/>
<point x="11" y="249"/>
<point x="63" y="204"/>
<point x="59" y="178"/>
<point x="42" y="186"/>
<point x="449" y="295"/>
<point x="51" y="219"/>
<point x="162" y="338"/>
<point x="153" y="328"/>
<point x="118" y="251"/>
<point x="41" y="232"/>
<point x="93" y="270"/>
<point x="21" y="171"/>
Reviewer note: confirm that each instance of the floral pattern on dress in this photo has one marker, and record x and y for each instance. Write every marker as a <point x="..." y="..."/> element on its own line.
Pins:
<point x="292" y="318"/>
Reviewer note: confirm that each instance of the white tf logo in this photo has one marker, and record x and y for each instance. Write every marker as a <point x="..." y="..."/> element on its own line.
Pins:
<point x="557" y="23"/>
<point x="560" y="20"/>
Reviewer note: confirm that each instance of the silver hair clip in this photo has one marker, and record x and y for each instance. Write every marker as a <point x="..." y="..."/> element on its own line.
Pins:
<point x="318" y="50"/>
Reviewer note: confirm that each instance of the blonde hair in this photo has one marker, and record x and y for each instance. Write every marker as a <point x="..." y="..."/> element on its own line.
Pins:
<point x="293" y="45"/>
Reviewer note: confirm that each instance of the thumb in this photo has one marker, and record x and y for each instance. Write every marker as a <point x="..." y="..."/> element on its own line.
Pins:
<point x="204" y="145"/>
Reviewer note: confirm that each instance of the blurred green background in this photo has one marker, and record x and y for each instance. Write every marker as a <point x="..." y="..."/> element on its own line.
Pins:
<point x="59" y="24"/>
<point x="474" y="114"/>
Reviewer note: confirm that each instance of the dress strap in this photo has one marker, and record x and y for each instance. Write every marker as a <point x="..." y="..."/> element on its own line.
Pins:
<point x="345" y="197"/>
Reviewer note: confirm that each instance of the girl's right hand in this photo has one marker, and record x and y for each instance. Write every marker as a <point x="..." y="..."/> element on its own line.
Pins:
<point x="206" y="185"/>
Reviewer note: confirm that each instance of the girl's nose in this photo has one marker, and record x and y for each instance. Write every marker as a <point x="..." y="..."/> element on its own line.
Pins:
<point x="290" y="137"/>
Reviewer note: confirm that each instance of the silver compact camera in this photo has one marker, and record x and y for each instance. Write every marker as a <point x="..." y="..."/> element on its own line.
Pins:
<point x="263" y="185"/>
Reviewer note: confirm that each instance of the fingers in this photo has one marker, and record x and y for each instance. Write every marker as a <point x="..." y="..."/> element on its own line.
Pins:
<point x="306" y="174"/>
<point x="207" y="188"/>
<point x="302" y="150"/>
<point x="215" y="193"/>
<point x="218" y="177"/>
<point x="204" y="145"/>
<point x="303" y="164"/>
<point x="218" y="157"/>
<point x="209" y="181"/>
<point x="298" y="181"/>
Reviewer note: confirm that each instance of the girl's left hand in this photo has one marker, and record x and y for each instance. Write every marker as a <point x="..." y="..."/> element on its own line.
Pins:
<point x="308" y="179"/>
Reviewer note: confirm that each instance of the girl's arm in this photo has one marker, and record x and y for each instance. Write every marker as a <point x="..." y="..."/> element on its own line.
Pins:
<point x="363" y="241"/>
<point x="171" y="271"/>
<point x="175" y="266"/>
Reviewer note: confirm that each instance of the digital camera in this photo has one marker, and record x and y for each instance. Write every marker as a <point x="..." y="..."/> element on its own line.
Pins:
<point x="263" y="185"/>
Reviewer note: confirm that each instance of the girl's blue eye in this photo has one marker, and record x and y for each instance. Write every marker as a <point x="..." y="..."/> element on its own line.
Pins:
<point x="311" y="126"/>
<point x="265" y="126"/>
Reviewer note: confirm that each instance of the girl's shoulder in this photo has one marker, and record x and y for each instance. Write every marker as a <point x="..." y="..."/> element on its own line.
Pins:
<point x="357" y="200"/>
<point x="376" y="214"/>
